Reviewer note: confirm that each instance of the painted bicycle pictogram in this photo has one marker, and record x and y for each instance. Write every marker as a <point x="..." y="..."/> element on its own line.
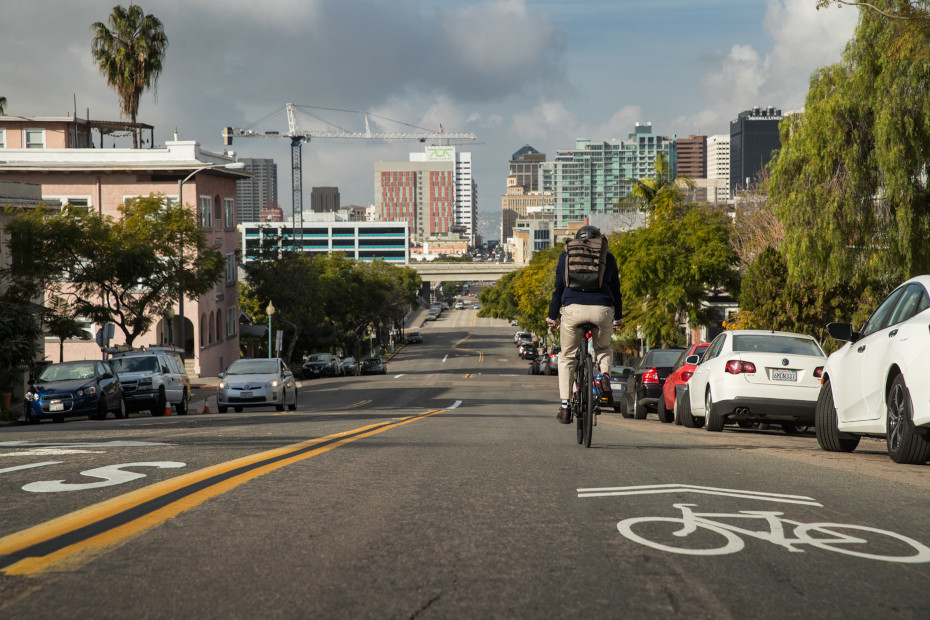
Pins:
<point x="720" y="537"/>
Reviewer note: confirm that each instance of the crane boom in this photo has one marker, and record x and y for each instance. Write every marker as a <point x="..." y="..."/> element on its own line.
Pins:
<point x="297" y="136"/>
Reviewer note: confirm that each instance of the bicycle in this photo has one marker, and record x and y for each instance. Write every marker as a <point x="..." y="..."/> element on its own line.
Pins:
<point x="820" y="535"/>
<point x="582" y="400"/>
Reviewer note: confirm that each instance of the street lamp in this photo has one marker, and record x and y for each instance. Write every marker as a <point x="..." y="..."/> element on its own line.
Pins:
<point x="269" y="310"/>
<point x="232" y="165"/>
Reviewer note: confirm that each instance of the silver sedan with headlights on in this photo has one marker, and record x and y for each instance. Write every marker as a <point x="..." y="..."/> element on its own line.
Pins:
<point x="257" y="382"/>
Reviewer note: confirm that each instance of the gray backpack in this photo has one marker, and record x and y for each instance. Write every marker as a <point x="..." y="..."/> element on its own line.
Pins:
<point x="585" y="261"/>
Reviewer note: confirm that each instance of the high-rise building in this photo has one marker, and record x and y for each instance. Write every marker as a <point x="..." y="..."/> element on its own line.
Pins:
<point x="324" y="199"/>
<point x="593" y="176"/>
<point x="258" y="192"/>
<point x="692" y="157"/>
<point x="522" y="189"/>
<point x="524" y="165"/>
<point x="434" y="191"/>
<point x="718" y="167"/>
<point x="753" y="138"/>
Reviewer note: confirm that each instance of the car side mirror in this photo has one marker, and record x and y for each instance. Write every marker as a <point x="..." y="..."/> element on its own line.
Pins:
<point x="693" y="360"/>
<point x="221" y="375"/>
<point x="288" y="373"/>
<point x="842" y="331"/>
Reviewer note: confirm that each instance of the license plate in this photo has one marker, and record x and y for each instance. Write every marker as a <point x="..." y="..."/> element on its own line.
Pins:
<point x="245" y="395"/>
<point x="784" y="375"/>
<point x="56" y="405"/>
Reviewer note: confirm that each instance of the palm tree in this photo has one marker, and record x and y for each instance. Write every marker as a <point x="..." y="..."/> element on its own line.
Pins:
<point x="130" y="54"/>
<point x="661" y="191"/>
<point x="2" y="106"/>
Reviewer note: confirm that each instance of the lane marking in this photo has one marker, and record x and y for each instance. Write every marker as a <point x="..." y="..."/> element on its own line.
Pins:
<point x="69" y="541"/>
<point x="111" y="475"/>
<point x="455" y="405"/>
<point x="82" y="444"/>
<point x="51" y="451"/>
<point x="445" y="358"/>
<point x="398" y="376"/>
<point x="655" y="489"/>
<point x="29" y="466"/>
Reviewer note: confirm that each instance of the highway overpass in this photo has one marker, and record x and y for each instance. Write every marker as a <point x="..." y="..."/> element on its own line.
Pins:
<point x="457" y="272"/>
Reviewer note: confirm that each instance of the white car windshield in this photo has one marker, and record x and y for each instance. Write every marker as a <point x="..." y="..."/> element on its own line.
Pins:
<point x="785" y="345"/>
<point x="67" y="372"/>
<point x="141" y="363"/>
<point x="253" y="367"/>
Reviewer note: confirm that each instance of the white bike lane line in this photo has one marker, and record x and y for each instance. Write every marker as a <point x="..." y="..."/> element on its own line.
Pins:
<point x="861" y="540"/>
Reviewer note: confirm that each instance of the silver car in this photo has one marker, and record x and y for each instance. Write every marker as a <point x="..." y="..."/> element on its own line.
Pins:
<point x="257" y="382"/>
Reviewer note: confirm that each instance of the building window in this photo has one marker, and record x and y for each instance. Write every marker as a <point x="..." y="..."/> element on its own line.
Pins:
<point x="219" y="326"/>
<point x="206" y="212"/>
<point x="230" y="269"/>
<point x="230" y="213"/>
<point x="230" y="322"/>
<point x="34" y="138"/>
<point x="2" y="138"/>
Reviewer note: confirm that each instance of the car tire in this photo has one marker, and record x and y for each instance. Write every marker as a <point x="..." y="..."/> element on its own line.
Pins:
<point x="625" y="409"/>
<point x="236" y="409"/>
<point x="677" y="405"/>
<point x="829" y="437"/>
<point x="283" y="401"/>
<point x="665" y="416"/>
<point x="684" y="412"/>
<point x="639" y="410"/>
<point x="159" y="408"/>
<point x="713" y="419"/>
<point x="101" y="409"/>
<point x="222" y="409"/>
<point x="294" y="406"/>
<point x="182" y="407"/>
<point x="905" y="443"/>
<point x="123" y="411"/>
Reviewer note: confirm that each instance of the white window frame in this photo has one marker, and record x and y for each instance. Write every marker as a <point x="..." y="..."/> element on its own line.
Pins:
<point x="231" y="322"/>
<point x="206" y="212"/>
<point x="2" y="138"/>
<point x="230" y="269"/>
<point x="29" y="130"/>
<point x="230" y="211"/>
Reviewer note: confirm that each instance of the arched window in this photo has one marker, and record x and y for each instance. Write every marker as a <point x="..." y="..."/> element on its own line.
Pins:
<point x="203" y="328"/>
<point x="219" y="325"/>
<point x="212" y="323"/>
<point x="217" y="209"/>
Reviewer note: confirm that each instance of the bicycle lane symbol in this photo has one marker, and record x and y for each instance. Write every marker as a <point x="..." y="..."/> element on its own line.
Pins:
<point x="847" y="539"/>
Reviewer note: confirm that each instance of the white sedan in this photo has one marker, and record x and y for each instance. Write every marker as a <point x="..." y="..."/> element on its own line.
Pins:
<point x="755" y="375"/>
<point x="876" y="384"/>
<point x="257" y="382"/>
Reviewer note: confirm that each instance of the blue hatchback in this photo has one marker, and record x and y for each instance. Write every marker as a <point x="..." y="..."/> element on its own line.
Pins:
<point x="88" y="387"/>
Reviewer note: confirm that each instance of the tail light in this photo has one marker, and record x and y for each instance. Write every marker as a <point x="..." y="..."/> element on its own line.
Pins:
<point x="818" y="372"/>
<point x="651" y="376"/>
<point x="686" y="375"/>
<point x="735" y="367"/>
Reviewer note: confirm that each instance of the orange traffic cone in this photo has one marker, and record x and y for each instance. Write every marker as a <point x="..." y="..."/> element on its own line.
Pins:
<point x="206" y="406"/>
<point x="168" y="408"/>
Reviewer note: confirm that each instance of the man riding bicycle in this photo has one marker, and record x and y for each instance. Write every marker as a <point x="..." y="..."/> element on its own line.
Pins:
<point x="587" y="290"/>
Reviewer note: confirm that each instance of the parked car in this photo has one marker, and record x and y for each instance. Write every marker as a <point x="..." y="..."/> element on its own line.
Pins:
<point x="545" y="363"/>
<point x="755" y="375"/>
<point x="414" y="338"/>
<point x="432" y="314"/>
<point x="320" y="365"/>
<point x="459" y="305"/>
<point x="517" y="337"/>
<point x="153" y="379"/>
<point x="644" y="386"/>
<point x="876" y="384"/>
<point x="69" y="389"/>
<point x="618" y="379"/>
<point x="350" y="366"/>
<point x="374" y="366"/>
<point x="257" y="382"/>
<point x="528" y="351"/>
<point x="676" y="381"/>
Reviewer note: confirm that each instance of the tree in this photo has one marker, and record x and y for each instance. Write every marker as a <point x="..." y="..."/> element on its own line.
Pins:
<point x="130" y="54"/>
<point x="126" y="272"/>
<point x="849" y="182"/>
<point x="19" y="334"/>
<point x="62" y="323"/>
<point x="2" y="106"/>
<point x="661" y="191"/>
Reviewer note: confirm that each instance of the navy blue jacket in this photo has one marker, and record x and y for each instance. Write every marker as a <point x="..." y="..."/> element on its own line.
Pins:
<point x="609" y="295"/>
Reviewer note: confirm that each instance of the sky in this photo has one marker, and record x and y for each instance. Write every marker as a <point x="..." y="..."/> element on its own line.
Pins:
<point x="513" y="72"/>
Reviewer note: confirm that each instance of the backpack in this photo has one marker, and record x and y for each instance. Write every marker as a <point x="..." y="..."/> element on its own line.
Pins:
<point x="585" y="261"/>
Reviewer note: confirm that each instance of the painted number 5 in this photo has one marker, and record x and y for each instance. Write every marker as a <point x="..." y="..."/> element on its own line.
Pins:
<point x="111" y="475"/>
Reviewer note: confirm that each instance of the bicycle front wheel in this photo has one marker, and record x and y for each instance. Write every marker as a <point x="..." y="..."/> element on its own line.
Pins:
<point x="576" y="402"/>
<point x="589" y="400"/>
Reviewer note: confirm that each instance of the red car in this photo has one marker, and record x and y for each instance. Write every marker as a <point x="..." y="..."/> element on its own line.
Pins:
<point x="681" y="372"/>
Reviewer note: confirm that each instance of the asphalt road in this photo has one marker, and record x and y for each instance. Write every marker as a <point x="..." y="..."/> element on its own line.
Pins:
<point x="446" y="489"/>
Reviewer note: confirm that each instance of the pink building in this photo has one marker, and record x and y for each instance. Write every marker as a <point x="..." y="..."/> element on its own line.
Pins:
<point x="42" y="151"/>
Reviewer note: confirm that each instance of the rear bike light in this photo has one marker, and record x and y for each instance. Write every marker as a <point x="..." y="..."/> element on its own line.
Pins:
<point x="735" y="367"/>
<point x="651" y="376"/>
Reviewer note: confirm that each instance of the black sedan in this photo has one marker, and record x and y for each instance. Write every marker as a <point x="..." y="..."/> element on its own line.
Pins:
<point x="374" y="366"/>
<point x="644" y="386"/>
<point x="88" y="387"/>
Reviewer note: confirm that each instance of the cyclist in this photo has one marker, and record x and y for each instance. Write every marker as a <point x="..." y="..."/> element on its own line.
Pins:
<point x="587" y="290"/>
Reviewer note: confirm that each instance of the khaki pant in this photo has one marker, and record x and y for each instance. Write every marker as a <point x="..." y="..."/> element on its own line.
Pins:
<point x="570" y="338"/>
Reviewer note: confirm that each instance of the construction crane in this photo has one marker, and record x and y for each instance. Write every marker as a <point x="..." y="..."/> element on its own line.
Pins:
<point x="298" y="137"/>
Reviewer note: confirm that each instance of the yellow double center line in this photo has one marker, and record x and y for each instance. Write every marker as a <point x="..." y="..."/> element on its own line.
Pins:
<point x="456" y="347"/>
<point x="76" y="538"/>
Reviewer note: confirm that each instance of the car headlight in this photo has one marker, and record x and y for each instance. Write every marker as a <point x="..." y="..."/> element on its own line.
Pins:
<point x="32" y="395"/>
<point x="87" y="391"/>
<point x="223" y="385"/>
<point x="275" y="383"/>
<point x="145" y="382"/>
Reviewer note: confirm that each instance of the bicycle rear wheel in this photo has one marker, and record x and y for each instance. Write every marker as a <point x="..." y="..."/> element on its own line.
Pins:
<point x="589" y="400"/>
<point x="576" y="402"/>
